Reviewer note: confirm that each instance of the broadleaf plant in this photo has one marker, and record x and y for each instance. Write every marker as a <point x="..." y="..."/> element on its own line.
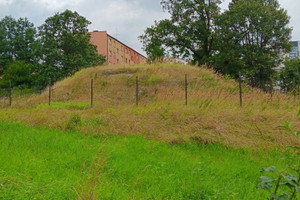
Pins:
<point x="285" y="181"/>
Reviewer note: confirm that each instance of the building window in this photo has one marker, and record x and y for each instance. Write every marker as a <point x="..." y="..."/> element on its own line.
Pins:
<point x="117" y="61"/>
<point x="117" y="50"/>
<point x="121" y="58"/>
<point x="109" y="41"/>
<point x="121" y="48"/>
<point x="109" y="53"/>
<point x="125" y="50"/>
<point x="114" y="43"/>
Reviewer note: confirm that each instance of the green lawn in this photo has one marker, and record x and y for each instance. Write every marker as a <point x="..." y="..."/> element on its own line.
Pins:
<point x="37" y="163"/>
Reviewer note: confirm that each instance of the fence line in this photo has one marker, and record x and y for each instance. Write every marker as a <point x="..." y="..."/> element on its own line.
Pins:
<point x="184" y="84"/>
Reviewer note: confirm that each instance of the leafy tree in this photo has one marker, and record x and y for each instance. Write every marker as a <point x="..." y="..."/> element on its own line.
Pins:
<point x="152" y="40"/>
<point x="290" y="75"/>
<point x="65" y="47"/>
<point x="188" y="33"/>
<point x="252" y="37"/>
<point x="17" y="41"/>
<point x="19" y="73"/>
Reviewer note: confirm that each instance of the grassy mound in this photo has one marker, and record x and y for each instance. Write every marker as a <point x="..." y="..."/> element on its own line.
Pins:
<point x="213" y="114"/>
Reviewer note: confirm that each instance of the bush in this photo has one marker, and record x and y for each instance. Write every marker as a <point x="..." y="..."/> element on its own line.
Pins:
<point x="289" y="76"/>
<point x="19" y="73"/>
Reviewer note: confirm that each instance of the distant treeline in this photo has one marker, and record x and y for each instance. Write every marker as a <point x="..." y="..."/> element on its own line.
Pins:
<point x="31" y="57"/>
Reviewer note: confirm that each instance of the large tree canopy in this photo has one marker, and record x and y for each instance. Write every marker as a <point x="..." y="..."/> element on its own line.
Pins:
<point x="65" y="46"/>
<point x="17" y="41"/>
<point x="153" y="40"/>
<point x="189" y="32"/>
<point x="251" y="36"/>
<point x="60" y="48"/>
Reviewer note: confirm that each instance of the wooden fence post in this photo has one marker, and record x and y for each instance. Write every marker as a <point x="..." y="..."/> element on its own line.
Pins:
<point x="9" y="93"/>
<point x="294" y="86"/>
<point x="137" y="91"/>
<point x="186" y="92"/>
<point x="92" y="91"/>
<point x="271" y="86"/>
<point x="49" y="102"/>
<point x="240" y="85"/>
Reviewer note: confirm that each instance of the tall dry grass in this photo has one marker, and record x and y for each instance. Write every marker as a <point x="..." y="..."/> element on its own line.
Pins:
<point x="213" y="114"/>
<point x="90" y="180"/>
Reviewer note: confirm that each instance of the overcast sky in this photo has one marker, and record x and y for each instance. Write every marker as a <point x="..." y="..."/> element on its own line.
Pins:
<point x="123" y="19"/>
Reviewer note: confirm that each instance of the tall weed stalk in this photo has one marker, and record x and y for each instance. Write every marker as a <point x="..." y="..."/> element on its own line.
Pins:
<point x="89" y="181"/>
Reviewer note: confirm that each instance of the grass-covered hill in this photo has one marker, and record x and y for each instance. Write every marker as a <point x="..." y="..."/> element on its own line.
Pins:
<point x="213" y="113"/>
<point x="161" y="148"/>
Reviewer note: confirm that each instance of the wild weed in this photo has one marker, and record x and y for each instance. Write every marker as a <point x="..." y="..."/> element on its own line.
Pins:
<point x="89" y="181"/>
<point x="288" y="182"/>
<point x="73" y="122"/>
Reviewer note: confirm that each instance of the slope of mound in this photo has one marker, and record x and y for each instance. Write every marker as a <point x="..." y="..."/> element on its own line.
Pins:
<point x="213" y="113"/>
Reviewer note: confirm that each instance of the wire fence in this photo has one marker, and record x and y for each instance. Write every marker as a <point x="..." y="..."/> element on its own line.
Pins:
<point x="135" y="91"/>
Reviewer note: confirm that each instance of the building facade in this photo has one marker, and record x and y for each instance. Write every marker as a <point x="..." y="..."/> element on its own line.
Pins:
<point x="295" y="53"/>
<point x="115" y="51"/>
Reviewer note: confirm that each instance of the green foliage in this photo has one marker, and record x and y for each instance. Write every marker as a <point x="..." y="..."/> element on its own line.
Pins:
<point x="17" y="41"/>
<point x="287" y="125"/>
<point x="65" y="47"/>
<point x="61" y="47"/>
<point x="249" y="37"/>
<point x="154" y="79"/>
<point x="188" y="33"/>
<point x="285" y="180"/>
<point x="269" y="169"/>
<point x="252" y="36"/>
<point x="290" y="180"/>
<point x="152" y="42"/>
<point x="73" y="123"/>
<point x="289" y="76"/>
<point x="19" y="73"/>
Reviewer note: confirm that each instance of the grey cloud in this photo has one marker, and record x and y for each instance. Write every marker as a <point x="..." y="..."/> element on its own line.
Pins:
<point x="124" y="19"/>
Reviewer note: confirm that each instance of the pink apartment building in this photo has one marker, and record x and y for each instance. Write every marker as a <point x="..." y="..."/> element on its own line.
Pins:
<point x="115" y="51"/>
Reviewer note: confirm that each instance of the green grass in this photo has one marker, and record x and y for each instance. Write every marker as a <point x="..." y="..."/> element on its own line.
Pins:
<point x="68" y="105"/>
<point x="38" y="163"/>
